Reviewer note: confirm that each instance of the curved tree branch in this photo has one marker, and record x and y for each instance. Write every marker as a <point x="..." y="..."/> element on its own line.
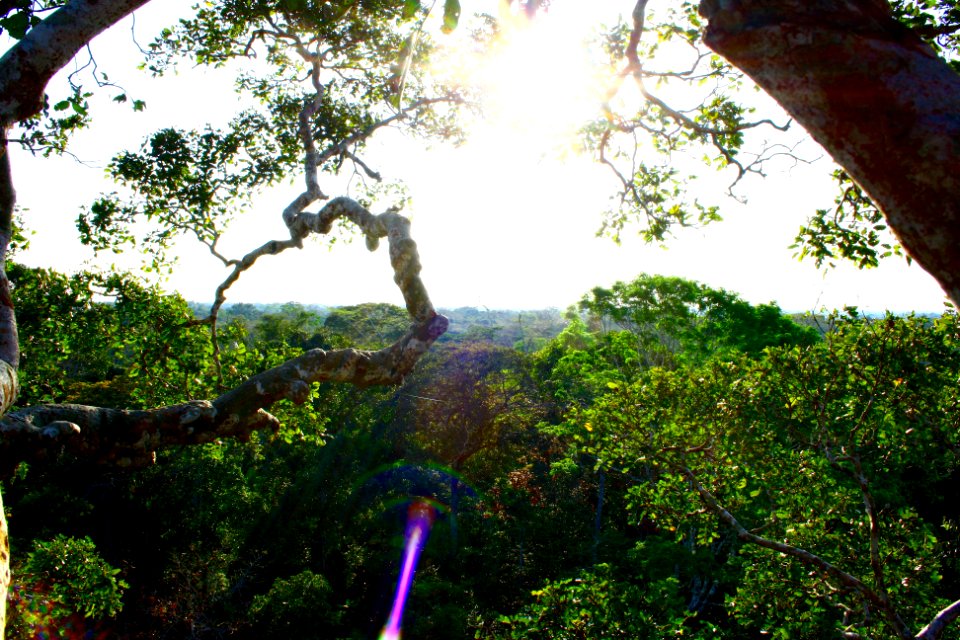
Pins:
<point x="933" y="630"/>
<point x="130" y="438"/>
<point x="26" y="68"/>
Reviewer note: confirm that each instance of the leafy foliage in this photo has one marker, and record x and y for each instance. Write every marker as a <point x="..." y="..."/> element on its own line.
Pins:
<point x="598" y="605"/>
<point x="294" y="606"/>
<point x="78" y="348"/>
<point x="936" y="21"/>
<point x="58" y="579"/>
<point x="185" y="182"/>
<point x="854" y="230"/>
<point x="675" y="462"/>
<point x="816" y="448"/>
<point x="569" y="477"/>
<point x="673" y="318"/>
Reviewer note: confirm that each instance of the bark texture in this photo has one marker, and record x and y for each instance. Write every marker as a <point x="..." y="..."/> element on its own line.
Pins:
<point x="130" y="438"/>
<point x="9" y="348"/>
<point x="27" y="67"/>
<point x="873" y="95"/>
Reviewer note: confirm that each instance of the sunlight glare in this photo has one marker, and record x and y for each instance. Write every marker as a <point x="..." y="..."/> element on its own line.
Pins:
<point x="538" y="81"/>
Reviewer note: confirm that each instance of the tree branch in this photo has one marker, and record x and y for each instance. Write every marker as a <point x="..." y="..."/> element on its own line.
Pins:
<point x="940" y="621"/>
<point x="26" y="68"/>
<point x="873" y="94"/>
<point x="130" y="438"/>
<point x="9" y="340"/>
<point x="806" y="557"/>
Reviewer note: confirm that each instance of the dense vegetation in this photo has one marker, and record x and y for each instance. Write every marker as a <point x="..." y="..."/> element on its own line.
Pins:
<point x="672" y="462"/>
<point x="593" y="477"/>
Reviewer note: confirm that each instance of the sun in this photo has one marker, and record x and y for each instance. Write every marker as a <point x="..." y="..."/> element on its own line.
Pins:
<point x="538" y="80"/>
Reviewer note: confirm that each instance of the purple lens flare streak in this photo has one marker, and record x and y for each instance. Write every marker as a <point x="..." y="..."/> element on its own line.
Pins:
<point x="420" y="517"/>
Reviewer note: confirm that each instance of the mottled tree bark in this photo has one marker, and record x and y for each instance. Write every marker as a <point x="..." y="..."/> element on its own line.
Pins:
<point x="9" y="348"/>
<point x="873" y="95"/>
<point x="28" y="66"/>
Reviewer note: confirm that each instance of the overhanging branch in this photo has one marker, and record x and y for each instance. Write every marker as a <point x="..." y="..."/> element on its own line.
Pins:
<point x="26" y="68"/>
<point x="130" y="438"/>
<point x="947" y="615"/>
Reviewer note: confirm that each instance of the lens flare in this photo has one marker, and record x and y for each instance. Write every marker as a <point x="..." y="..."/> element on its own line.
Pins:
<point x="420" y="517"/>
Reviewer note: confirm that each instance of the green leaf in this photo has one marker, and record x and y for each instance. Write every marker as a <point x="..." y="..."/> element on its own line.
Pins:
<point x="17" y="24"/>
<point x="410" y="8"/>
<point x="451" y="15"/>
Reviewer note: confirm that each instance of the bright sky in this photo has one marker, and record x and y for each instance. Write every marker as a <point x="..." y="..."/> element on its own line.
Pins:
<point x="502" y="222"/>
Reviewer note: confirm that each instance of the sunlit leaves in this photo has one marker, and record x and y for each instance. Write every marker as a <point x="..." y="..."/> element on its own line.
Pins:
<point x="600" y="604"/>
<point x="677" y="320"/>
<point x="410" y="8"/>
<point x="185" y="182"/>
<point x="854" y="230"/>
<point x="640" y="135"/>
<point x="62" y="577"/>
<point x="451" y="15"/>
<point x="49" y="131"/>
<point x="105" y="340"/>
<point x="794" y="443"/>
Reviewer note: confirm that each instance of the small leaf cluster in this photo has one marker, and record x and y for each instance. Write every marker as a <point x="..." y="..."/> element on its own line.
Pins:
<point x="936" y="21"/>
<point x="598" y="603"/>
<point x="184" y="182"/>
<point x="853" y="230"/>
<point x="58" y="579"/>
<point x="20" y="16"/>
<point x="49" y="131"/>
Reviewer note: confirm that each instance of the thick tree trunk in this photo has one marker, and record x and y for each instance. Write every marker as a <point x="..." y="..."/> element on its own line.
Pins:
<point x="9" y="349"/>
<point x="27" y="67"/>
<point x="873" y="95"/>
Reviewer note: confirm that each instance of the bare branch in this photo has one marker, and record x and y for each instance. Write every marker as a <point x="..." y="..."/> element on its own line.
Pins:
<point x="711" y="135"/>
<point x="940" y="621"/>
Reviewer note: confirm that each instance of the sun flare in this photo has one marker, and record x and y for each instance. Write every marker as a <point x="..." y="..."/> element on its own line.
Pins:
<point x="537" y="81"/>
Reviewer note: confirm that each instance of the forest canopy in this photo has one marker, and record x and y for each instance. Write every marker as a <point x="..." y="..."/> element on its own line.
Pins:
<point x="670" y="459"/>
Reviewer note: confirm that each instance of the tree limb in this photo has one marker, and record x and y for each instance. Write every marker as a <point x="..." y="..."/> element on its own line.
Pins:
<point x="940" y="621"/>
<point x="130" y="438"/>
<point x="9" y="347"/>
<point x="9" y="340"/>
<point x="810" y="559"/>
<point x="874" y="95"/>
<point x="26" y="68"/>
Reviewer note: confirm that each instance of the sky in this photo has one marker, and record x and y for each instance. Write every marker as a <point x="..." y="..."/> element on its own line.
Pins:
<point x="505" y="221"/>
